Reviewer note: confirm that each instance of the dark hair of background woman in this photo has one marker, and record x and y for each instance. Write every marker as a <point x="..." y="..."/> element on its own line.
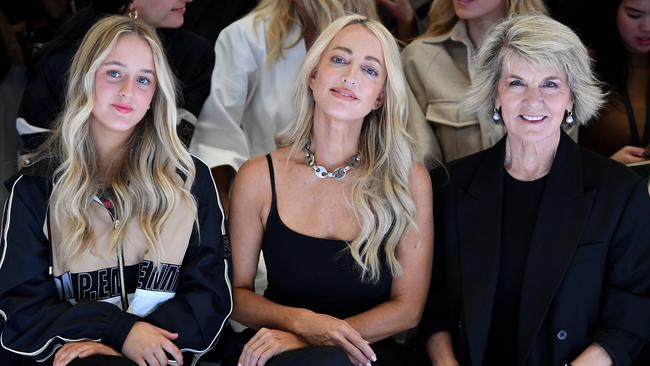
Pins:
<point x="74" y="29"/>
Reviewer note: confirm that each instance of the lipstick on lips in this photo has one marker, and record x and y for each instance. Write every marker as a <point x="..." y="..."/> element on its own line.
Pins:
<point x="344" y="93"/>
<point x="643" y="41"/>
<point x="122" y="108"/>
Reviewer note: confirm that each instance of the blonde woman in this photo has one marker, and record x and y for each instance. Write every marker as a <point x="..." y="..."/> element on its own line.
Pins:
<point x="439" y="67"/>
<point x="341" y="211"/>
<point x="112" y="247"/>
<point x="256" y="67"/>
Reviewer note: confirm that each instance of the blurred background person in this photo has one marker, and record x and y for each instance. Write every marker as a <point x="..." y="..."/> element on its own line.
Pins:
<point x="622" y="54"/>
<point x="12" y="82"/>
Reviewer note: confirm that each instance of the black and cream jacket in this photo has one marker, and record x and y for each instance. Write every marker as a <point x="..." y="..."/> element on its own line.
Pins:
<point x="99" y="296"/>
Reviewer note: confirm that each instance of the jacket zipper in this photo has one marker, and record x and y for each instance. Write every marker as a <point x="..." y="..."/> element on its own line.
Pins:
<point x="120" y="258"/>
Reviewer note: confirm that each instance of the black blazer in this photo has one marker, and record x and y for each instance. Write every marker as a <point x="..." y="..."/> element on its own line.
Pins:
<point x="587" y="276"/>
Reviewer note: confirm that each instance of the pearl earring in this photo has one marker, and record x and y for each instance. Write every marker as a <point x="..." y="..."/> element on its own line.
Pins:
<point x="496" y="114"/>
<point x="569" y="118"/>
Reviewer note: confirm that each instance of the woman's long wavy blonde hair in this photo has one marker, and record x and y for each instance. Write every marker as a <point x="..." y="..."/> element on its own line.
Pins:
<point x="313" y="15"/>
<point x="381" y="200"/>
<point x="146" y="188"/>
<point x="442" y="16"/>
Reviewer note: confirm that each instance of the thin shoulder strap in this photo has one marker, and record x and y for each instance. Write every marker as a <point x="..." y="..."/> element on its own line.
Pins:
<point x="268" y="160"/>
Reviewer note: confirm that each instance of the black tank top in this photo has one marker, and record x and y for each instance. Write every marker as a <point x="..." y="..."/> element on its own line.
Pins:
<point x="314" y="273"/>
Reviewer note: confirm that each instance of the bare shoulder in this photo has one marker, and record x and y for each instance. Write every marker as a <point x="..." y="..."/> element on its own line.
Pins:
<point x="419" y="181"/>
<point x="253" y="167"/>
<point x="253" y="179"/>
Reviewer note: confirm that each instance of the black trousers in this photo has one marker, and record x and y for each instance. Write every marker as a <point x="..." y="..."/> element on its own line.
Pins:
<point x="100" y="360"/>
<point x="313" y="356"/>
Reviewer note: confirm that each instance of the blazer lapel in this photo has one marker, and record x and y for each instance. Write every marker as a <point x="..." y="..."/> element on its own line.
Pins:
<point x="561" y="217"/>
<point x="479" y="217"/>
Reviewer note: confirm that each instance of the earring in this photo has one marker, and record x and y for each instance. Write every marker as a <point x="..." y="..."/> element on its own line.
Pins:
<point x="569" y="118"/>
<point x="496" y="114"/>
<point x="133" y="13"/>
<point x="149" y="107"/>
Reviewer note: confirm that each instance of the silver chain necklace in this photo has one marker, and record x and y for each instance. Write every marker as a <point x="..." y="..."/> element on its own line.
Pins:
<point x="321" y="172"/>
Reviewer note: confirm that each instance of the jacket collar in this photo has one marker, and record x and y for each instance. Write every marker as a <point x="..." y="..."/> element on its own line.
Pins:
<point x="458" y="33"/>
<point x="562" y="214"/>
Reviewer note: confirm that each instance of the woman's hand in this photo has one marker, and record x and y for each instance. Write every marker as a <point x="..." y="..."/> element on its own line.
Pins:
<point x="72" y="350"/>
<point x="594" y="355"/>
<point x="146" y="345"/>
<point x="440" y="350"/>
<point x="325" y="330"/>
<point x="629" y="154"/>
<point x="403" y="13"/>
<point x="267" y="343"/>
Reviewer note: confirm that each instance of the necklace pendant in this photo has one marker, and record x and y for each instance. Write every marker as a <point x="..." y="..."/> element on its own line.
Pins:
<point x="321" y="172"/>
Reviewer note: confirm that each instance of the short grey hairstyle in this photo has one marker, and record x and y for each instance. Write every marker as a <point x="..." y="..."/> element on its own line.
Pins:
<point x="542" y="42"/>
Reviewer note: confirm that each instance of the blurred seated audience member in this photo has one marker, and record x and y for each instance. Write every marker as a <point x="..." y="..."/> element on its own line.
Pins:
<point x="12" y="82"/>
<point x="191" y="58"/>
<point x="36" y="22"/>
<point x="208" y="18"/>
<point x="623" y="129"/>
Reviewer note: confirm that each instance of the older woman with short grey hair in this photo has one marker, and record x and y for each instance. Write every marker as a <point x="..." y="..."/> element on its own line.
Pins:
<point x="542" y="256"/>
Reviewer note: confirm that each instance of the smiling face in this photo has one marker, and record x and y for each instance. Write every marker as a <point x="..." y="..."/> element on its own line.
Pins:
<point x="349" y="80"/>
<point x="488" y="10"/>
<point x="633" y="22"/>
<point x="124" y="87"/>
<point x="532" y="100"/>
<point x="161" y="13"/>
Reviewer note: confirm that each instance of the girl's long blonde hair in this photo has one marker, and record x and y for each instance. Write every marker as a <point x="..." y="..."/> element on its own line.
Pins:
<point x="312" y="15"/>
<point x="442" y="16"/>
<point x="147" y="186"/>
<point x="381" y="200"/>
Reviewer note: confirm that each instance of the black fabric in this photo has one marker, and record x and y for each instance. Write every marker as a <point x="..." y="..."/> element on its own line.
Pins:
<point x="312" y="356"/>
<point x="316" y="274"/>
<point x="208" y="17"/>
<point x="587" y="274"/>
<point x="520" y="205"/>
<point x="102" y="361"/>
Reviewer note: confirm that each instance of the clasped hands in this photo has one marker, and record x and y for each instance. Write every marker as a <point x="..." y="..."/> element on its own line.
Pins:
<point x="145" y="345"/>
<point x="315" y="330"/>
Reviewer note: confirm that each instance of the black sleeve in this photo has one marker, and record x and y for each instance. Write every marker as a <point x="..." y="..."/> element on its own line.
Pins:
<point x="36" y="320"/>
<point x="436" y="316"/>
<point x="203" y="299"/>
<point x="44" y="96"/>
<point x="624" y="319"/>
<point x="192" y="60"/>
<point x="197" y="74"/>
